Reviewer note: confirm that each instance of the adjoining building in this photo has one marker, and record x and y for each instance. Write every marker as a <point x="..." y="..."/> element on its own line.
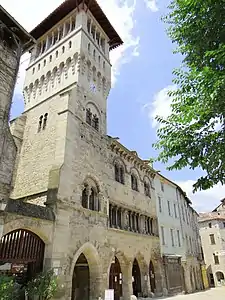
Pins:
<point x="14" y="41"/>
<point x="212" y="231"/>
<point x="81" y="202"/>
<point x="180" y="238"/>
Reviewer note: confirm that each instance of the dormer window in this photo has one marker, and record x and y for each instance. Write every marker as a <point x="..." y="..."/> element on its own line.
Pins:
<point x="147" y="189"/>
<point x="134" y="182"/>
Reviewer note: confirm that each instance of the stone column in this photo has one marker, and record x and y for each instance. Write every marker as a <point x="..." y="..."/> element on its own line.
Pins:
<point x="116" y="209"/>
<point x="110" y="215"/>
<point x="64" y="29"/>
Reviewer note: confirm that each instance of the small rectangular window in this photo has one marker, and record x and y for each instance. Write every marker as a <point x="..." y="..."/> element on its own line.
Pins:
<point x="172" y="237"/>
<point x="175" y="210"/>
<point x="212" y="239"/>
<point x="160" y="204"/>
<point x="210" y="225"/>
<point x="168" y="204"/>
<point x="163" y="235"/>
<point x="216" y="259"/>
<point x="178" y="238"/>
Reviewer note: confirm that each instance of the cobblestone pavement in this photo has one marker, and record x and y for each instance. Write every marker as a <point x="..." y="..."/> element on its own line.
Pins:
<point x="213" y="294"/>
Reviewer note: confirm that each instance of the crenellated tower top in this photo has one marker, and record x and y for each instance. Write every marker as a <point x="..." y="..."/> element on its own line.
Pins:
<point x="73" y="45"/>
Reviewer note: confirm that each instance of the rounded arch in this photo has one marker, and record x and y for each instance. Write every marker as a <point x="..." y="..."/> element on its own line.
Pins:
<point x="92" y="256"/>
<point x="92" y="180"/>
<point x="86" y="272"/>
<point x="118" y="160"/>
<point x="22" y="246"/>
<point x="219" y="276"/>
<point x="135" y="171"/>
<point x="136" y="278"/>
<point x="152" y="276"/>
<point x="146" y="179"/>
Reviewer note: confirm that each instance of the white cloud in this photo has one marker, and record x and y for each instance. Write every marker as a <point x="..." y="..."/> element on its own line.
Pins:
<point x="119" y="12"/>
<point x="152" y="5"/>
<point x="160" y="106"/>
<point x="203" y="201"/>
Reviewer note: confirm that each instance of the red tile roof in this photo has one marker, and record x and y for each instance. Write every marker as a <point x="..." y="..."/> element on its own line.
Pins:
<point x="69" y="5"/>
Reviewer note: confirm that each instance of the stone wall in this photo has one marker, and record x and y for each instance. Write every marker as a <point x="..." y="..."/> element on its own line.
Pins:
<point x="9" y="60"/>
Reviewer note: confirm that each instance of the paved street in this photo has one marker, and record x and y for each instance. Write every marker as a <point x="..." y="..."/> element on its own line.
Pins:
<point x="214" y="294"/>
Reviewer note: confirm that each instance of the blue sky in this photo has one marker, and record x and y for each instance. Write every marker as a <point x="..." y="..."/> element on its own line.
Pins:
<point x="143" y="72"/>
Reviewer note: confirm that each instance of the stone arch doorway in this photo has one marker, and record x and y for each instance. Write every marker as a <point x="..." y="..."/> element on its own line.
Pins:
<point x="81" y="279"/>
<point x="152" y="277"/>
<point x="115" y="279"/>
<point x="220" y="277"/>
<point x="86" y="263"/>
<point x="22" y="254"/>
<point x="136" y="278"/>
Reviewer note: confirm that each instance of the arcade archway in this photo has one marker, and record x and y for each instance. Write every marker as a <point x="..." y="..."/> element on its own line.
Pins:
<point x="115" y="279"/>
<point x="81" y="279"/>
<point x="152" y="277"/>
<point x="220" y="277"/>
<point x="21" y="254"/>
<point x="136" y="278"/>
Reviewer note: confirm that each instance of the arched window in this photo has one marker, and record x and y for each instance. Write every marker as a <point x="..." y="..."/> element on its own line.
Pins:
<point x="45" y="121"/>
<point x="89" y="48"/>
<point x="85" y="198"/>
<point x="63" y="49"/>
<point x="94" y="54"/>
<point x="33" y="71"/>
<point x="147" y="189"/>
<point x="134" y="183"/>
<point x="40" y="123"/>
<point x="88" y="116"/>
<point x="70" y="44"/>
<point x="57" y="54"/>
<point x="44" y="63"/>
<point x="90" y="198"/>
<point x="95" y="122"/>
<point x="50" y="58"/>
<point x="119" y="173"/>
<point x="39" y="66"/>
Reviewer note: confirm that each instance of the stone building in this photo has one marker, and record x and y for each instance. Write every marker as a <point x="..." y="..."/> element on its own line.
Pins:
<point x="14" y="41"/>
<point x="84" y="200"/>
<point x="180" y="238"/>
<point x="212" y="230"/>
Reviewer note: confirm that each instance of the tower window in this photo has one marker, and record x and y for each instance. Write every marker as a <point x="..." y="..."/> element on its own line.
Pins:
<point x="95" y="122"/>
<point x="94" y="54"/>
<point x="88" y="116"/>
<point x="216" y="259"/>
<point x="134" y="183"/>
<point x="63" y="49"/>
<point x="44" y="63"/>
<point x="40" y="123"/>
<point x="89" y="48"/>
<point x="99" y="59"/>
<point x="33" y="70"/>
<point x="70" y="44"/>
<point x="45" y="121"/>
<point x="103" y="65"/>
<point x="39" y="66"/>
<point x="50" y="58"/>
<point x="210" y="225"/>
<point x="57" y="54"/>
<point x="212" y="239"/>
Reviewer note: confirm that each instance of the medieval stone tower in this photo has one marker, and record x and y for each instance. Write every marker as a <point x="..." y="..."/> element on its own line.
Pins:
<point x="105" y="232"/>
<point x="65" y="91"/>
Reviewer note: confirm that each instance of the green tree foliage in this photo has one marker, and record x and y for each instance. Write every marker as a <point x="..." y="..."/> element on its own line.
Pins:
<point x="194" y="134"/>
<point x="8" y="289"/>
<point x="44" y="285"/>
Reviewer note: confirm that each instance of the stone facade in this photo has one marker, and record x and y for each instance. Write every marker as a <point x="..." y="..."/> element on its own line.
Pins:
<point x="179" y="236"/>
<point x="212" y="230"/>
<point x="13" y="41"/>
<point x="102" y="194"/>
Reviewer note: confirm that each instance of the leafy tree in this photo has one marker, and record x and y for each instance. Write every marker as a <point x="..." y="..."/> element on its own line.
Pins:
<point x="194" y="134"/>
<point x="44" y="285"/>
<point x="8" y="289"/>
